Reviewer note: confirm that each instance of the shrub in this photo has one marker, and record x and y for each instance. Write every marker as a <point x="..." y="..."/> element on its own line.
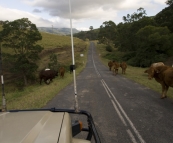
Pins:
<point x="109" y="48"/>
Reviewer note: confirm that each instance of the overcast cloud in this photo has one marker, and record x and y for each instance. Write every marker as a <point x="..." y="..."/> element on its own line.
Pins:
<point x="47" y="13"/>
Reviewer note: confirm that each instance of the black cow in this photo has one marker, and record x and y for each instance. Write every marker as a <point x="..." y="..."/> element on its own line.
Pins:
<point x="72" y="67"/>
<point x="47" y="75"/>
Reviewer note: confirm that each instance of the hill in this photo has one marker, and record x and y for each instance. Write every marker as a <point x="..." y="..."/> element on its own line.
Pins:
<point x="58" y="31"/>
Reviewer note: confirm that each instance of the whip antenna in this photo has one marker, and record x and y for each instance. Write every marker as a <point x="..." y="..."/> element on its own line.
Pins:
<point x="2" y="82"/>
<point x="74" y="75"/>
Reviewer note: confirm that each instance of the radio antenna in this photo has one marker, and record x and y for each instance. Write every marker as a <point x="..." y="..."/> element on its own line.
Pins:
<point x="76" y="107"/>
<point x="2" y="81"/>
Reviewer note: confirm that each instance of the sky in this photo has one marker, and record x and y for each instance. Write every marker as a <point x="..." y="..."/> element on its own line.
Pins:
<point x="84" y="13"/>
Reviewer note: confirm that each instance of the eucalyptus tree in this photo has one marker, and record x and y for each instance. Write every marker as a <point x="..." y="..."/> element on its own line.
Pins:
<point x="135" y="16"/>
<point x="21" y="36"/>
<point x="107" y="32"/>
<point x="126" y="38"/>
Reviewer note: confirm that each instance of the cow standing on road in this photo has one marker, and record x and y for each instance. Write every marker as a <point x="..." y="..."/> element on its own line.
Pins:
<point x="115" y="68"/>
<point x="123" y="66"/>
<point x="47" y="75"/>
<point x="110" y="64"/>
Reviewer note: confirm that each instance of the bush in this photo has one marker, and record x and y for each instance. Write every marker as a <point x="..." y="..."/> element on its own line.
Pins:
<point x="109" y="48"/>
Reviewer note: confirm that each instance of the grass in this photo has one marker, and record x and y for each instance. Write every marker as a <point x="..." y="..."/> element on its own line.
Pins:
<point x="135" y="73"/>
<point x="37" y="96"/>
<point x="54" y="41"/>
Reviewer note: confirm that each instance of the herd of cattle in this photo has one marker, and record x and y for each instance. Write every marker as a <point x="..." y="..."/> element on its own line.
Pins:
<point x="162" y="73"/>
<point x="114" y="66"/>
<point x="48" y="74"/>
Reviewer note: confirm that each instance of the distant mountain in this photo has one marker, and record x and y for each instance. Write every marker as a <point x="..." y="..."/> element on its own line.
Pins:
<point x="58" y="31"/>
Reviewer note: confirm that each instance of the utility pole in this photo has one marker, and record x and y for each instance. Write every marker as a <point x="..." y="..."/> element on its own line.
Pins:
<point x="2" y="82"/>
<point x="52" y="29"/>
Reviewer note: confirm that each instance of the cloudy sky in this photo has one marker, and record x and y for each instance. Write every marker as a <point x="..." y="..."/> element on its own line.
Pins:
<point x="84" y="13"/>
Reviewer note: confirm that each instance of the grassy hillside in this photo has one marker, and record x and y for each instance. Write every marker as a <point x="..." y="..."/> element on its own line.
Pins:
<point x="58" y="31"/>
<point x="36" y="95"/>
<point x="134" y="73"/>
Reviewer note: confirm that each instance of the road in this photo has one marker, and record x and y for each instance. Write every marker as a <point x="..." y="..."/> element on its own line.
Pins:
<point x="123" y="110"/>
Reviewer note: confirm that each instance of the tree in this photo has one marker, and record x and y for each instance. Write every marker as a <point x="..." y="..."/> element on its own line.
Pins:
<point x="169" y="2"/>
<point x="107" y="32"/>
<point x="21" y="36"/>
<point x="165" y="17"/>
<point x="53" y="62"/>
<point x="91" y="28"/>
<point x="135" y="16"/>
<point x="154" y="44"/>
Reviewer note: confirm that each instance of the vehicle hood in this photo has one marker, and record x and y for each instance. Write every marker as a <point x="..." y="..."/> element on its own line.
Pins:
<point x="34" y="127"/>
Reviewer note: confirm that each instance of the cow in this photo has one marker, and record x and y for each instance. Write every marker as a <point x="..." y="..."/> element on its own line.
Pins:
<point x="61" y="72"/>
<point x="72" y="67"/>
<point x="163" y="75"/>
<point x="47" y="75"/>
<point x="115" y="67"/>
<point x="123" y="66"/>
<point x="110" y="64"/>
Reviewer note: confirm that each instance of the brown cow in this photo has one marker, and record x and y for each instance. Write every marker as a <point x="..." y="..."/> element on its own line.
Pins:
<point x="110" y="64"/>
<point x="61" y="72"/>
<point x="47" y="74"/>
<point x="163" y="75"/>
<point x="115" y="67"/>
<point x="123" y="66"/>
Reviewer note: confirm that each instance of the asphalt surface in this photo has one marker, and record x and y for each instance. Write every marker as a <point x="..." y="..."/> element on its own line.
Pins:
<point x="123" y="110"/>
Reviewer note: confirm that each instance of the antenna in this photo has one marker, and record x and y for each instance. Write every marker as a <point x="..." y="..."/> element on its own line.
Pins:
<point x="74" y="75"/>
<point x="2" y="81"/>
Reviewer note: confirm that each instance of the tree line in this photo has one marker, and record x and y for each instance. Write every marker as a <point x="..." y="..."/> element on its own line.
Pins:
<point x="143" y="39"/>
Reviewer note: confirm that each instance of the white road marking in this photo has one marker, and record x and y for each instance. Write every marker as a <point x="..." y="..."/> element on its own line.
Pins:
<point x="106" y="89"/>
<point x="127" y="118"/>
<point x="95" y="65"/>
<point x="131" y="136"/>
<point x="121" y="109"/>
<point x="119" y="114"/>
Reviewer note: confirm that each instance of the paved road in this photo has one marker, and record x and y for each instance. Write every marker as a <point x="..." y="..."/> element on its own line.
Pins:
<point x="123" y="110"/>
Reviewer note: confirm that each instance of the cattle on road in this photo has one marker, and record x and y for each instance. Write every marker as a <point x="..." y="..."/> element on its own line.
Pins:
<point x="163" y="75"/>
<point x="47" y="75"/>
<point x="115" y="68"/>
<point x="123" y="66"/>
<point x="110" y="64"/>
